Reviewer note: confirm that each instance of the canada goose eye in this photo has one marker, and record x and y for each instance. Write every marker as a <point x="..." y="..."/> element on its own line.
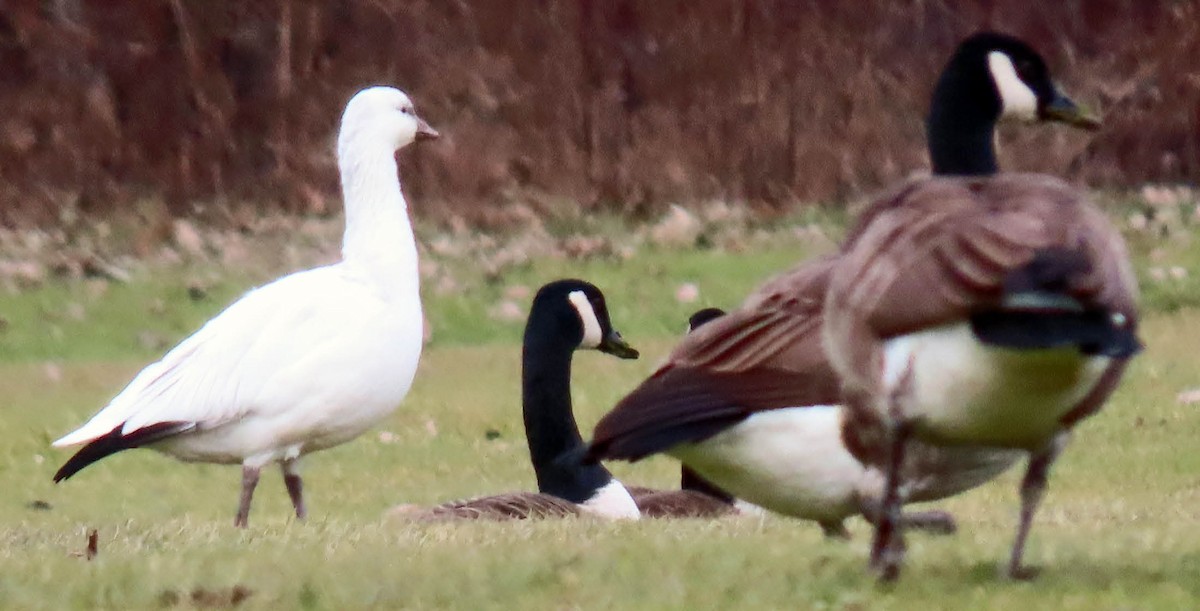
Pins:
<point x="1025" y="69"/>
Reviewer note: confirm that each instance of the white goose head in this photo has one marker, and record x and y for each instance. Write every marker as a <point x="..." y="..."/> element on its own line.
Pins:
<point x="381" y="117"/>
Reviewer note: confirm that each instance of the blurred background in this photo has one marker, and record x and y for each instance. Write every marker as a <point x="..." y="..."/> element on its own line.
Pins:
<point x="214" y="110"/>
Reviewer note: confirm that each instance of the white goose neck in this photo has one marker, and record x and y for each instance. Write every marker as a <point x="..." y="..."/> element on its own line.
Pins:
<point x="379" y="239"/>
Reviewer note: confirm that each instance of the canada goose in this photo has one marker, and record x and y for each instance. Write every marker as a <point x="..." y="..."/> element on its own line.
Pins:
<point x="566" y="315"/>
<point x="696" y="496"/>
<point x="567" y="486"/>
<point x="306" y="362"/>
<point x="995" y="311"/>
<point x="752" y="402"/>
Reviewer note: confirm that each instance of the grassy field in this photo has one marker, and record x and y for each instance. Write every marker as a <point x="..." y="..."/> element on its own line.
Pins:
<point x="1120" y="528"/>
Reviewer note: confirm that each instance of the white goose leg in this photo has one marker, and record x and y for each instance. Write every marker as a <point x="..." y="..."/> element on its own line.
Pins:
<point x="249" y="481"/>
<point x="1033" y="488"/>
<point x="295" y="487"/>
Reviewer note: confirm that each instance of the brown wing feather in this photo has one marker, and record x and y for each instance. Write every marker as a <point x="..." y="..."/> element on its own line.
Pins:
<point x="947" y="246"/>
<point x="682" y="504"/>
<point x="763" y="357"/>
<point x="511" y="506"/>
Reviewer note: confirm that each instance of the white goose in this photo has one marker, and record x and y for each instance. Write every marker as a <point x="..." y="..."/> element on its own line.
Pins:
<point x="307" y="362"/>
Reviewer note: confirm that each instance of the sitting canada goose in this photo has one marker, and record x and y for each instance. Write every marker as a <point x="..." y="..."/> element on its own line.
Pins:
<point x="556" y="328"/>
<point x="996" y="311"/>
<point x="566" y="315"/>
<point x="306" y="362"/>
<point x="752" y="402"/>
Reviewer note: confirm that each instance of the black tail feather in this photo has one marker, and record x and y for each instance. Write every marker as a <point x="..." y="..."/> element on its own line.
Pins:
<point x="115" y="442"/>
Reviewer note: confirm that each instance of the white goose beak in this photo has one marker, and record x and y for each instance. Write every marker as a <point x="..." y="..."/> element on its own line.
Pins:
<point x="425" y="132"/>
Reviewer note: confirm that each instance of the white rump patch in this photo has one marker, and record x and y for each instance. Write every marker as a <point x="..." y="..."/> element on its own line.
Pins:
<point x="1017" y="100"/>
<point x="591" y="324"/>
<point x="612" y="501"/>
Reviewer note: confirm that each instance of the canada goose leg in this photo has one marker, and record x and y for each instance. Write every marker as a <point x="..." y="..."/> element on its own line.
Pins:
<point x="295" y="487"/>
<point x="1033" y="488"/>
<point x="249" y="481"/>
<point x="887" y="551"/>
<point x="934" y="521"/>
<point x="835" y="529"/>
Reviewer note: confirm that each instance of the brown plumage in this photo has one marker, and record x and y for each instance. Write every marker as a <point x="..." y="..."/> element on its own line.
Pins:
<point x="939" y="249"/>
<point x="1031" y="268"/>
<point x="683" y="504"/>
<point x="696" y="498"/>
<point x="691" y="501"/>
<point x="652" y="502"/>
<point x="511" y="506"/>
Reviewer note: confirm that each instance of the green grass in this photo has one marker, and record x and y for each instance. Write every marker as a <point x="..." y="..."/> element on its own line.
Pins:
<point x="1120" y="528"/>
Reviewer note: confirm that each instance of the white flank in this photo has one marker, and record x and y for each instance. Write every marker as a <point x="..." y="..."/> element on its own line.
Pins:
<point x="612" y="501"/>
<point x="587" y="316"/>
<point x="790" y="461"/>
<point x="1017" y="99"/>
<point x="965" y="391"/>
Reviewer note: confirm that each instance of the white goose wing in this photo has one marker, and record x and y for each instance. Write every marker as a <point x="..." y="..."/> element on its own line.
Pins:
<point x="257" y="356"/>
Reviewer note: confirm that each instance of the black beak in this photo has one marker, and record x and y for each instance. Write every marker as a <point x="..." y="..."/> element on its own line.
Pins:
<point x="615" y="345"/>
<point x="424" y="132"/>
<point x="1065" y="110"/>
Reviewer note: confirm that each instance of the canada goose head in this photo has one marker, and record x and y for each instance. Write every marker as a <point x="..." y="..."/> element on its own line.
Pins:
<point x="382" y="116"/>
<point x="576" y="310"/>
<point x="1008" y="79"/>
<point x="991" y="77"/>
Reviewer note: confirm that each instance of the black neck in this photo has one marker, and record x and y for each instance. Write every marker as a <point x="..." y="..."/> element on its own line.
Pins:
<point x="555" y="446"/>
<point x="961" y="130"/>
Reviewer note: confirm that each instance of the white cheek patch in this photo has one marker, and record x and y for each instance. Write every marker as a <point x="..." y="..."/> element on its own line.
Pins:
<point x="591" y="324"/>
<point x="1017" y="100"/>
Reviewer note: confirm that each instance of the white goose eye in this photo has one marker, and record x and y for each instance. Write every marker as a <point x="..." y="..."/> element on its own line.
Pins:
<point x="1017" y="100"/>
<point x="587" y="315"/>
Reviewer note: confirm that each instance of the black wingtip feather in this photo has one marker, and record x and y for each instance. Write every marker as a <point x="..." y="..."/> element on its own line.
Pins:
<point x="114" y="442"/>
<point x="637" y="445"/>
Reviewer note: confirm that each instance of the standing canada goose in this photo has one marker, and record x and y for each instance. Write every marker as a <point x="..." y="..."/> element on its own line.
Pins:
<point x="995" y="311"/>
<point x="752" y="402"/>
<point x="696" y="497"/>
<point x="566" y="315"/>
<point x="306" y="362"/>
